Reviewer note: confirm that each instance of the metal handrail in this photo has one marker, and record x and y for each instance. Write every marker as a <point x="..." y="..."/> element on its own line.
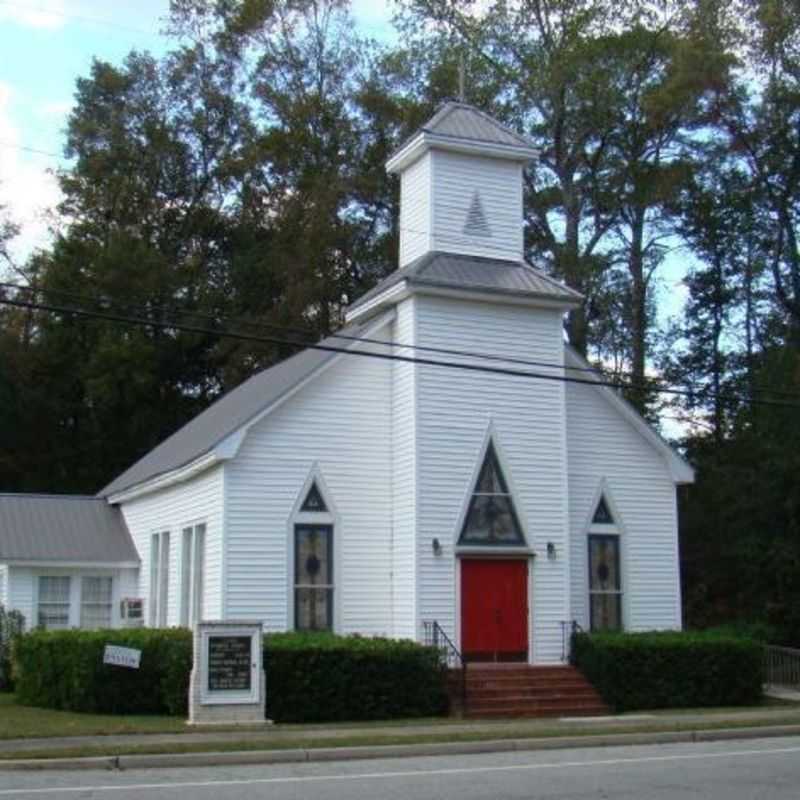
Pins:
<point x="781" y="666"/>
<point x="449" y="655"/>
<point x="569" y="627"/>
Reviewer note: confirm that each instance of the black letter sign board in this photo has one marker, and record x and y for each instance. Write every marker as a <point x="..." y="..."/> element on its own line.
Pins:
<point x="229" y="663"/>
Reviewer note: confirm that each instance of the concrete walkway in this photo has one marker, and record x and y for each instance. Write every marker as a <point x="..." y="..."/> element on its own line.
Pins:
<point x="307" y="735"/>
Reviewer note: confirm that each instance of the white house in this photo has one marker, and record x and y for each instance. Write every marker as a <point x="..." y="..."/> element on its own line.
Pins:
<point x="430" y="463"/>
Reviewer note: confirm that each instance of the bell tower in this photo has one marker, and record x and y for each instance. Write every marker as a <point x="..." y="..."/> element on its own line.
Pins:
<point x="461" y="186"/>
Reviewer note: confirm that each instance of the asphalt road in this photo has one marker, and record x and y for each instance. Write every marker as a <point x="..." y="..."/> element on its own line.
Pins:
<point x="757" y="769"/>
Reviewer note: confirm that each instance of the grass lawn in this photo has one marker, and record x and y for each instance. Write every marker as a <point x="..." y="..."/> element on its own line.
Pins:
<point x="17" y="722"/>
<point x="20" y="722"/>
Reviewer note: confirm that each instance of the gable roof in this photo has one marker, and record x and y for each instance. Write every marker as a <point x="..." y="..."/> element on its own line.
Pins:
<point x="680" y="469"/>
<point x="63" y="528"/>
<point x="229" y="413"/>
<point x="474" y="273"/>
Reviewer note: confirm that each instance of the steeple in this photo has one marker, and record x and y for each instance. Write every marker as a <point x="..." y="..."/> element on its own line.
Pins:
<point x="461" y="186"/>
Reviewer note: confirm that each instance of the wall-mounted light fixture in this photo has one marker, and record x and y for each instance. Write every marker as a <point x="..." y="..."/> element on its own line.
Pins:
<point x="551" y="550"/>
<point x="437" y="547"/>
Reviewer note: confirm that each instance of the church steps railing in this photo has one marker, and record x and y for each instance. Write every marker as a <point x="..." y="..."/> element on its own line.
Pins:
<point x="569" y="627"/>
<point x="449" y="655"/>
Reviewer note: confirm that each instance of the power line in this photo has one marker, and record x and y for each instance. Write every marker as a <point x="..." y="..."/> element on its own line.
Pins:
<point x="29" y="149"/>
<point x="52" y="12"/>
<point x="140" y="322"/>
<point x="617" y="377"/>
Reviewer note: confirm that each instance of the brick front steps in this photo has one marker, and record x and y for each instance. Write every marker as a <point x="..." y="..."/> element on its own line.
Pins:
<point x="516" y="690"/>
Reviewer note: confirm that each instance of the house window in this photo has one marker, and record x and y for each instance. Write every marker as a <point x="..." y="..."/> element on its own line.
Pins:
<point x="313" y="581"/>
<point x="491" y="517"/>
<point x="159" y="579"/>
<point x="54" y="602"/>
<point x="193" y="559"/>
<point x="96" y="602"/>
<point x="605" y="586"/>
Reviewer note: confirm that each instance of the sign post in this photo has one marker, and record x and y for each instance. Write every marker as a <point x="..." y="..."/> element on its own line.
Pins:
<point x="228" y="685"/>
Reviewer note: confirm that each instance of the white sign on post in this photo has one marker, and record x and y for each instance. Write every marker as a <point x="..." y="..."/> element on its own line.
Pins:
<point x="122" y="656"/>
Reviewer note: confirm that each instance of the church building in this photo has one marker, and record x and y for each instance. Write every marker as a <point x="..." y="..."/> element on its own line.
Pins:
<point x="444" y="458"/>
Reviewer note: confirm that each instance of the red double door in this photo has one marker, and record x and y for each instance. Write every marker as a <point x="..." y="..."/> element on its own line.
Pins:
<point x="494" y="609"/>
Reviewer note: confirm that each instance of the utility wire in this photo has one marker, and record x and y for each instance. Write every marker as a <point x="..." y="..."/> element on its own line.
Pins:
<point x="52" y="12"/>
<point x="140" y="322"/>
<point x="28" y="149"/>
<point x="652" y="385"/>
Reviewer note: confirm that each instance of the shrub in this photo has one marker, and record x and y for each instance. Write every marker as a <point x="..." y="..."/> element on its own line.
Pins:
<point x="326" y="678"/>
<point x="310" y="677"/>
<point x="12" y="623"/>
<point x="635" y="671"/>
<point x="65" y="670"/>
<point x="759" y="631"/>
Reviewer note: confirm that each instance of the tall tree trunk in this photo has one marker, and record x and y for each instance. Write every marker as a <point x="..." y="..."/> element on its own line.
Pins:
<point x="638" y="395"/>
<point x="717" y="365"/>
<point x="572" y="269"/>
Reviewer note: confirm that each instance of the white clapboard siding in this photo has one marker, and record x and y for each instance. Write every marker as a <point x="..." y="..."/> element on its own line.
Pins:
<point x="199" y="500"/>
<point x="603" y="446"/>
<point x="454" y="411"/>
<point x="339" y="423"/>
<point x="456" y="178"/>
<point x="415" y="210"/>
<point x="404" y="465"/>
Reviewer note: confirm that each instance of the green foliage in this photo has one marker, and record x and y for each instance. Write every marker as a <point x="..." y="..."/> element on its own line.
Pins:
<point x="636" y="671"/>
<point x="310" y="677"/>
<point x="762" y="632"/>
<point x="12" y="624"/>
<point x="327" y="678"/>
<point x="65" y="670"/>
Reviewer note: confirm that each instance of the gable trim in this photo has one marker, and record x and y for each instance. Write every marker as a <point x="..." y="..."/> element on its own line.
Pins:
<point x="228" y="447"/>
<point x="679" y="469"/>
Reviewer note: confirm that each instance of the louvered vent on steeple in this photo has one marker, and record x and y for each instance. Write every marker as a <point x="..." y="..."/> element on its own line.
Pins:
<point x="476" y="224"/>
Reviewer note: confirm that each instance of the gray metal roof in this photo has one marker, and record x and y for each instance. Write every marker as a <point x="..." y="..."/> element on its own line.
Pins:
<point x="69" y="528"/>
<point x="463" y="121"/>
<point x="226" y="415"/>
<point x="475" y="273"/>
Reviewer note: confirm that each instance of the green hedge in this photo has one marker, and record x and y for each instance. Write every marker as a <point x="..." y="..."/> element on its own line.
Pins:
<point x="310" y="677"/>
<point x="635" y="671"/>
<point x="65" y="670"/>
<point x="324" y="678"/>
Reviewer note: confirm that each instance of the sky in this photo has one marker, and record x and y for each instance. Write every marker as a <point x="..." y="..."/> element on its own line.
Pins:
<point x="45" y="46"/>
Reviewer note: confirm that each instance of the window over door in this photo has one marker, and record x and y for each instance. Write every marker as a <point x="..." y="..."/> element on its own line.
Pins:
<point x="313" y="577"/>
<point x="53" y="601"/>
<point x="491" y="518"/>
<point x="192" y="563"/>
<point x="96" y="602"/>
<point x="605" y="583"/>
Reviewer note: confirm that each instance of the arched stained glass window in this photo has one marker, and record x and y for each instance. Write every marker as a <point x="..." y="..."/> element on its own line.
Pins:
<point x="491" y="517"/>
